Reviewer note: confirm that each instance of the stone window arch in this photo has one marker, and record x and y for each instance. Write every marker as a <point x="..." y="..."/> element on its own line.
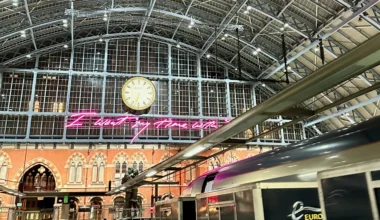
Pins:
<point x="76" y="164"/>
<point x="190" y="174"/>
<point x="168" y="178"/>
<point x="213" y="163"/>
<point x="121" y="165"/>
<point x="4" y="166"/>
<point x="98" y="163"/>
<point x="139" y="161"/>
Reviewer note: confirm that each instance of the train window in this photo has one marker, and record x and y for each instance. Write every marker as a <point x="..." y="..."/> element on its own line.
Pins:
<point x="208" y="187"/>
<point x="375" y="175"/>
<point x="208" y="182"/>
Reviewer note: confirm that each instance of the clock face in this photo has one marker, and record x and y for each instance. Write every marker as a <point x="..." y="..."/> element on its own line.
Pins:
<point x="138" y="93"/>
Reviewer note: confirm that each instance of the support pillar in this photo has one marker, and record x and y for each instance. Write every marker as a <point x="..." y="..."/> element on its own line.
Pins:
<point x="12" y="213"/>
<point x="200" y="101"/>
<point x="57" y="211"/>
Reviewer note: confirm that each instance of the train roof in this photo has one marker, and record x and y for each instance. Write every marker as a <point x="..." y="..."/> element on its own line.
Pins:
<point x="331" y="142"/>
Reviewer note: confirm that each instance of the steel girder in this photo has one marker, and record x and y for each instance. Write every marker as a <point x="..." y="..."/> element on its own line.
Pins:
<point x="147" y="15"/>
<point x="314" y="43"/>
<point x="223" y="25"/>
<point x="119" y="8"/>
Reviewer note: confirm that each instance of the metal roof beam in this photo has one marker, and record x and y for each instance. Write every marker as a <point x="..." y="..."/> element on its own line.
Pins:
<point x="316" y="42"/>
<point x="31" y="27"/>
<point x="342" y="112"/>
<point x="278" y="20"/>
<point x="247" y="44"/>
<point x="265" y="26"/>
<point x="366" y="18"/>
<point x="127" y="9"/>
<point x="223" y="25"/>
<point x="72" y="23"/>
<point x="31" y="23"/>
<point x="146" y="19"/>
<point x="95" y="38"/>
<point x="109" y="15"/>
<point x="187" y="11"/>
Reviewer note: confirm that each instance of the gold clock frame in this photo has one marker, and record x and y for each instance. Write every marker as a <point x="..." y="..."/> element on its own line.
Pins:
<point x="136" y="78"/>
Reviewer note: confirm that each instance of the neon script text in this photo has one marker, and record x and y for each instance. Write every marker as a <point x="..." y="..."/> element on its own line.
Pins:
<point x="76" y="120"/>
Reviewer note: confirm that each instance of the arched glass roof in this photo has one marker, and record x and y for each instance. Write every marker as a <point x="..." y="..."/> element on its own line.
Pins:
<point x="208" y="27"/>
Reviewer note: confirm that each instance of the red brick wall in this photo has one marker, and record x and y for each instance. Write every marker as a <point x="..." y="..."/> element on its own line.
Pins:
<point x="57" y="160"/>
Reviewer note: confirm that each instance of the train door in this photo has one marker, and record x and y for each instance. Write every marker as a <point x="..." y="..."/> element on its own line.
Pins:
<point x="225" y="211"/>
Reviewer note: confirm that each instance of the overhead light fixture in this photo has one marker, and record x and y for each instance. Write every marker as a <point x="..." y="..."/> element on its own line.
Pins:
<point x="105" y="18"/>
<point x="282" y="29"/>
<point x="28" y="56"/>
<point x="151" y="173"/>
<point x="192" y="22"/>
<point x="225" y="35"/>
<point x="23" y="33"/>
<point x="65" y="46"/>
<point x="223" y="38"/>
<point x="65" y="25"/>
<point x="249" y="7"/>
<point x="246" y="12"/>
<point x="256" y="52"/>
<point x="194" y="151"/>
<point x="178" y="46"/>
<point x="64" y="21"/>
<point x="289" y="68"/>
<point x="286" y="25"/>
<point x="190" y="26"/>
<point x="100" y="39"/>
<point x="208" y="55"/>
<point x="263" y="85"/>
<point x="316" y="49"/>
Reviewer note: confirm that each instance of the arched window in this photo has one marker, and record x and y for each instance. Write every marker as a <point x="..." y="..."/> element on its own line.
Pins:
<point x="138" y="162"/>
<point x="141" y="166"/>
<point x="121" y="165"/>
<point x="213" y="163"/>
<point x="3" y="171"/>
<point x="75" y="170"/>
<point x="190" y="174"/>
<point x="118" y="202"/>
<point x="3" y="168"/>
<point x="98" y="170"/>
<point x="168" y="178"/>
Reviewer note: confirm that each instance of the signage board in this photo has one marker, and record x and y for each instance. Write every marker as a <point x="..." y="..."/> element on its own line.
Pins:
<point x="19" y="204"/>
<point x="291" y="204"/>
<point x="66" y="199"/>
<point x="40" y="198"/>
<point x="84" y="209"/>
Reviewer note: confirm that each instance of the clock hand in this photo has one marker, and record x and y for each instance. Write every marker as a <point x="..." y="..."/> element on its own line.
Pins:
<point x="138" y="96"/>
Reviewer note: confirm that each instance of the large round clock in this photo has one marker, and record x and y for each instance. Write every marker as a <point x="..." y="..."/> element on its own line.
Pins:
<point x="138" y="93"/>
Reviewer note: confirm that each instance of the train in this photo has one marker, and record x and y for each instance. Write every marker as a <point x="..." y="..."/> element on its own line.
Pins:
<point x="278" y="184"/>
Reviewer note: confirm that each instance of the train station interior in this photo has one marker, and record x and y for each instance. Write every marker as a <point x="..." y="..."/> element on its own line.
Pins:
<point x="189" y="109"/>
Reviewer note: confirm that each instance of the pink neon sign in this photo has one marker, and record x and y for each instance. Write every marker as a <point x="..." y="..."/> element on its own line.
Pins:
<point x="76" y="120"/>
